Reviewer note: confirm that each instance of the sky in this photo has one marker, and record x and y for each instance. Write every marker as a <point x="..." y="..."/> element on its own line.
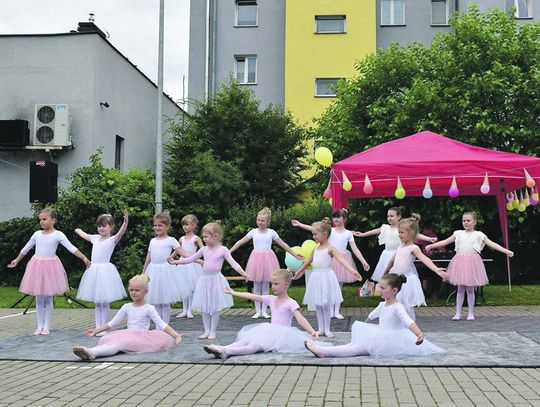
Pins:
<point x="132" y="25"/>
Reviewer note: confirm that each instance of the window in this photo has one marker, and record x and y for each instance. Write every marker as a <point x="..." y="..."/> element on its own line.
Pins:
<point x="439" y="12"/>
<point x="246" y="69"/>
<point x="246" y="13"/>
<point x="330" y="24"/>
<point x="326" y="87"/>
<point x="392" y="12"/>
<point x="523" y="8"/>
<point x="118" y="152"/>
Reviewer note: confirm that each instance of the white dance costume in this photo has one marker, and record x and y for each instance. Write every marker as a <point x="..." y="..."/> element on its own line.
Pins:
<point x="137" y="337"/>
<point x="466" y="267"/>
<point x="163" y="287"/>
<point x="277" y="336"/>
<point x="340" y="240"/>
<point x="391" y="337"/>
<point x="188" y="274"/>
<point x="262" y="260"/>
<point x="411" y="294"/>
<point x="322" y="287"/>
<point x="101" y="283"/>
<point x="389" y="237"/>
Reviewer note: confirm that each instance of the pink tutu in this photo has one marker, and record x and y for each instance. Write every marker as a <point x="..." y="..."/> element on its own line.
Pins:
<point x="342" y="274"/>
<point x="44" y="276"/>
<point x="468" y="270"/>
<point x="138" y="341"/>
<point x="260" y="265"/>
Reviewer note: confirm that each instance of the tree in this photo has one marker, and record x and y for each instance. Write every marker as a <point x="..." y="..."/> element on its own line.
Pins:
<point x="479" y="84"/>
<point x="231" y="150"/>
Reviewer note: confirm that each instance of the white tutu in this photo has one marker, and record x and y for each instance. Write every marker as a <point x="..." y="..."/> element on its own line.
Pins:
<point x="379" y="341"/>
<point x="322" y="288"/>
<point x="384" y="259"/>
<point x="274" y="338"/>
<point x="163" y="288"/>
<point x="186" y="276"/>
<point x="209" y="296"/>
<point x="411" y="293"/>
<point x="101" y="283"/>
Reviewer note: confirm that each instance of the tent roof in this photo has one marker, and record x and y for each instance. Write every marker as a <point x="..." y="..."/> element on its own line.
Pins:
<point x="427" y="154"/>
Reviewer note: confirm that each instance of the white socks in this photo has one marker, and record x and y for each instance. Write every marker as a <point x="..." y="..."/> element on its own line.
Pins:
<point x="44" y="310"/>
<point x="103" y="314"/>
<point x="210" y="322"/>
<point x="324" y="315"/>
<point x="104" y="350"/>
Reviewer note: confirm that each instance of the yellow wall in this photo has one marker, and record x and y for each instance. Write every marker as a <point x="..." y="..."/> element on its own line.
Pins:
<point x="309" y="55"/>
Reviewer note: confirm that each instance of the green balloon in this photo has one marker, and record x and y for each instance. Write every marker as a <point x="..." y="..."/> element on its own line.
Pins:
<point x="400" y="193"/>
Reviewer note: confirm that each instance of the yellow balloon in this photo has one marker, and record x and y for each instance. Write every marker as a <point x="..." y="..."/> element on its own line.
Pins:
<point x="509" y="206"/>
<point x="307" y="248"/>
<point x="521" y="207"/>
<point x="515" y="203"/>
<point x="324" y="156"/>
<point x="330" y="202"/>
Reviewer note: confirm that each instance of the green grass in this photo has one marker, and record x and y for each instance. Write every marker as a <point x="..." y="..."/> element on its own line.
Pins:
<point x="493" y="295"/>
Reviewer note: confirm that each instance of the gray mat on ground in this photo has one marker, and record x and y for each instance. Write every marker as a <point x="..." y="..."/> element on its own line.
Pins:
<point x="464" y="349"/>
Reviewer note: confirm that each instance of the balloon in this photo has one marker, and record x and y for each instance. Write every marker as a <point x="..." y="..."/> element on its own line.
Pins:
<point x="521" y="207"/>
<point x="515" y="203"/>
<point x="330" y="202"/>
<point x="368" y="188"/>
<point x="526" y="198"/>
<point x="400" y="191"/>
<point x="324" y="156"/>
<point x="510" y="197"/>
<point x="534" y="196"/>
<point x="292" y="262"/>
<point x="328" y="191"/>
<point x="453" y="191"/>
<point x="307" y="248"/>
<point x="509" y="206"/>
<point x="427" y="192"/>
<point x="347" y="186"/>
<point x="529" y="181"/>
<point x="485" y="185"/>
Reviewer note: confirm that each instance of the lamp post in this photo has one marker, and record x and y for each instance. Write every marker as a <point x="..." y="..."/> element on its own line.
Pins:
<point x="159" y="133"/>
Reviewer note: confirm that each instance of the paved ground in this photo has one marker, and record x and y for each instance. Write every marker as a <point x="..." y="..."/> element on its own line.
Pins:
<point x="39" y="383"/>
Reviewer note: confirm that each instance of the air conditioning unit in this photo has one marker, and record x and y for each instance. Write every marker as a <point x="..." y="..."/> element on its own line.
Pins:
<point x="51" y="126"/>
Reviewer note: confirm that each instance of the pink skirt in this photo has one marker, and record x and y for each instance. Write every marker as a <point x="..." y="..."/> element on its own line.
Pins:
<point x="138" y="341"/>
<point x="44" y="276"/>
<point x="260" y="265"/>
<point x="468" y="270"/>
<point x="342" y="274"/>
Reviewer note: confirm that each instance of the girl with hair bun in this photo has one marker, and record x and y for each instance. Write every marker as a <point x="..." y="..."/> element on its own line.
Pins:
<point x="411" y="295"/>
<point x="262" y="260"/>
<point x="396" y="335"/>
<point x="340" y="238"/>
<point x="389" y="237"/>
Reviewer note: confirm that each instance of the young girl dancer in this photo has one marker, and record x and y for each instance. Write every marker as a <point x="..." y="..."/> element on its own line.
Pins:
<point x="101" y="282"/>
<point x="209" y="297"/>
<point x="277" y="336"/>
<point x="262" y="260"/>
<point x="389" y="237"/>
<point x="466" y="269"/>
<point x="137" y="337"/>
<point x="396" y="335"/>
<point x="340" y="238"/>
<point x="164" y="288"/>
<point x="322" y="288"/>
<point x="411" y="294"/>
<point x="189" y="273"/>
<point x="45" y="275"/>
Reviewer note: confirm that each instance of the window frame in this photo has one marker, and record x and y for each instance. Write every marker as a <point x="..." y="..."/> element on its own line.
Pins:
<point x="246" y="70"/>
<point x="119" y="148"/>
<point x="529" y="10"/>
<point x="326" y="79"/>
<point x="236" y="9"/>
<point x="447" y="3"/>
<point x="342" y="17"/>
<point x="391" y="24"/>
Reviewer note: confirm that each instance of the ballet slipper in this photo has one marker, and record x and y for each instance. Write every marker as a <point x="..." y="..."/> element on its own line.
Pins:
<point x="83" y="353"/>
<point x="37" y="331"/>
<point x="265" y="315"/>
<point x="101" y="334"/>
<point x="189" y="315"/>
<point x="339" y="316"/>
<point x="320" y="333"/>
<point x="313" y="349"/>
<point x="256" y="316"/>
<point x="212" y="336"/>
<point x="456" y="317"/>
<point x="217" y="352"/>
<point x="182" y="315"/>
<point x="204" y="336"/>
<point x="45" y="332"/>
<point x="329" y="334"/>
<point x="470" y="317"/>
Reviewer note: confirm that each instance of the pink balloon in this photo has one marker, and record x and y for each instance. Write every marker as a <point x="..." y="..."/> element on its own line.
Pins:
<point x="453" y="192"/>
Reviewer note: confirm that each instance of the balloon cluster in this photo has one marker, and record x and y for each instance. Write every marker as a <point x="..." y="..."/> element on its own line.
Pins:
<point x="522" y="200"/>
<point x="305" y="251"/>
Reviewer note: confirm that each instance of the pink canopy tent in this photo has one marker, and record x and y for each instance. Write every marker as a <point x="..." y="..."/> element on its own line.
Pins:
<point x="426" y="154"/>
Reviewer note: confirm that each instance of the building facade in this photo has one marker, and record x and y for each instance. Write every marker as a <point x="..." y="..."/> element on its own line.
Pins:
<point x="293" y="52"/>
<point x="112" y="106"/>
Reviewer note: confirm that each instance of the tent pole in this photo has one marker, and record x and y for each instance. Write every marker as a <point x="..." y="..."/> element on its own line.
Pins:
<point x="503" y="219"/>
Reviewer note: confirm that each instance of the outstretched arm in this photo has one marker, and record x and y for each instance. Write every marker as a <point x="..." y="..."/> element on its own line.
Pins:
<point x="95" y="331"/>
<point x="298" y="224"/>
<point x="16" y="261"/>
<point x="358" y="255"/>
<point x="177" y="337"/>
<point x="304" y="323"/>
<point x="419" y="335"/>
<point x="425" y="238"/>
<point x="332" y="251"/>
<point x="429" y="264"/>
<point x="247" y="296"/>
<point x="81" y="256"/>
<point x="232" y="262"/>
<point x="79" y="232"/>
<point x="442" y="243"/>
<point x="239" y="244"/>
<point x="371" y="232"/>
<point x="287" y="248"/>
<point x="122" y="229"/>
<point x="498" y="247"/>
